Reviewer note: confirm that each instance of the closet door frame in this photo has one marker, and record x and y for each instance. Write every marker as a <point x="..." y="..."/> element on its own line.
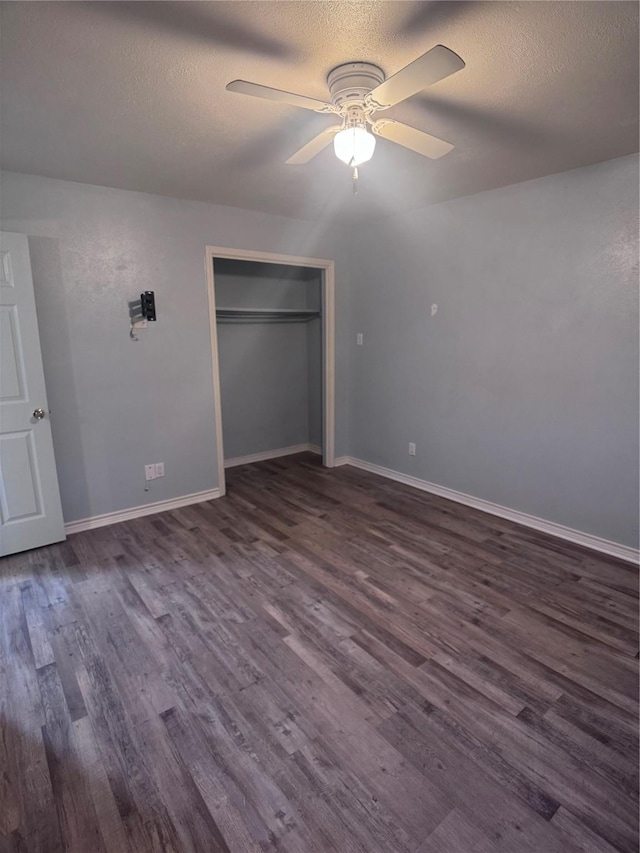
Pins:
<point x="328" y="342"/>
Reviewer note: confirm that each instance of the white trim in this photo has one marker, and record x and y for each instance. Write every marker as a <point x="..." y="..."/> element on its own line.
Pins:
<point x="271" y="454"/>
<point x="217" y="396"/>
<point x="139" y="511"/>
<point x="328" y="339"/>
<point x="328" y="321"/>
<point x="587" y="540"/>
<point x="578" y="537"/>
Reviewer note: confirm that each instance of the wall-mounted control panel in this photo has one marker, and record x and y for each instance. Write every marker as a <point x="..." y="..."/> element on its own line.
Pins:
<point x="148" y="305"/>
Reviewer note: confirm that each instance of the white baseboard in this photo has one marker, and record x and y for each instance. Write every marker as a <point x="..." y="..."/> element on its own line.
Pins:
<point x="587" y="540"/>
<point x="271" y="454"/>
<point x="138" y="511"/>
<point x="174" y="503"/>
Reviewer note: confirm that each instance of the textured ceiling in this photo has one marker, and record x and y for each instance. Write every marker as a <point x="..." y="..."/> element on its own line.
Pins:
<point x="132" y="95"/>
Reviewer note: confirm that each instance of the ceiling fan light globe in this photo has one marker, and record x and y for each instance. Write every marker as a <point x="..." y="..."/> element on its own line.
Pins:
<point x="354" y="145"/>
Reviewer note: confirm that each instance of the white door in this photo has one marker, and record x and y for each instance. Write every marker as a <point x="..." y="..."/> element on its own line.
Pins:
<point x="30" y="511"/>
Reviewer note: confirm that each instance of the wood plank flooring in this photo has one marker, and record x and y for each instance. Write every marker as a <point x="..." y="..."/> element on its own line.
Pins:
<point x="321" y="661"/>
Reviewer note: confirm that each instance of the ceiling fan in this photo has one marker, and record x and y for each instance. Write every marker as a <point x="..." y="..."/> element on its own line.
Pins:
<point x="358" y="90"/>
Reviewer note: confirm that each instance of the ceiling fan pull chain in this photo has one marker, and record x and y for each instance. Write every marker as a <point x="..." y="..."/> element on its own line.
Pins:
<point x="355" y="180"/>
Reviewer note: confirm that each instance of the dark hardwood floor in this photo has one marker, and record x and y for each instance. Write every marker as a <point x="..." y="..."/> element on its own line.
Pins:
<point x="321" y="661"/>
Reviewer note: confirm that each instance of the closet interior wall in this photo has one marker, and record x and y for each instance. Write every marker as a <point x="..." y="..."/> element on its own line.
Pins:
<point x="270" y="368"/>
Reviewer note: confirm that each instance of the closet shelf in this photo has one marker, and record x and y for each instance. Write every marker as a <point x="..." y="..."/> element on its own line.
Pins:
<point x="266" y="315"/>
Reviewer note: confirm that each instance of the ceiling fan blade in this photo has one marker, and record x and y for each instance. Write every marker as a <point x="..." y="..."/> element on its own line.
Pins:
<point x="208" y="24"/>
<point x="315" y="146"/>
<point x="409" y="137"/>
<point x="258" y="91"/>
<point x="434" y="65"/>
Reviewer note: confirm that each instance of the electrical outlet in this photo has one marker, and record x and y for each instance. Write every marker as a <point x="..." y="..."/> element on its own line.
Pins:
<point x="360" y="339"/>
<point x="412" y="448"/>
<point x="159" y="469"/>
<point x="434" y="309"/>
<point x="149" y="472"/>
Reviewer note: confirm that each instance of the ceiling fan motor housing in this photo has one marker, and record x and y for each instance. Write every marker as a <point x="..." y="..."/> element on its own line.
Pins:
<point x="350" y="83"/>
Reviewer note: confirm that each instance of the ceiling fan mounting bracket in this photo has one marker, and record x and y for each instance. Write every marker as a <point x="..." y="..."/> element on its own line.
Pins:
<point x="352" y="82"/>
<point x="377" y="126"/>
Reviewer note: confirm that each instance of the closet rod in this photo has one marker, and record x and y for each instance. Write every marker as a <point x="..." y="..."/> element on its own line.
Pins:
<point x="266" y="315"/>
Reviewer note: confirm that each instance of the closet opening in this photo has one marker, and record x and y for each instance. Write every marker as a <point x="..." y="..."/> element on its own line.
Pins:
<point x="272" y="347"/>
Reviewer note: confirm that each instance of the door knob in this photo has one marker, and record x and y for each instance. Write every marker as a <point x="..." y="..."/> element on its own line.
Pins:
<point x="39" y="414"/>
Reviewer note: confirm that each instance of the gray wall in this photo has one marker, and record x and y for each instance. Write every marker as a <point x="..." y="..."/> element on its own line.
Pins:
<point x="314" y="381"/>
<point x="315" y="369"/>
<point x="118" y="404"/>
<point x="266" y="368"/>
<point x="523" y="388"/>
